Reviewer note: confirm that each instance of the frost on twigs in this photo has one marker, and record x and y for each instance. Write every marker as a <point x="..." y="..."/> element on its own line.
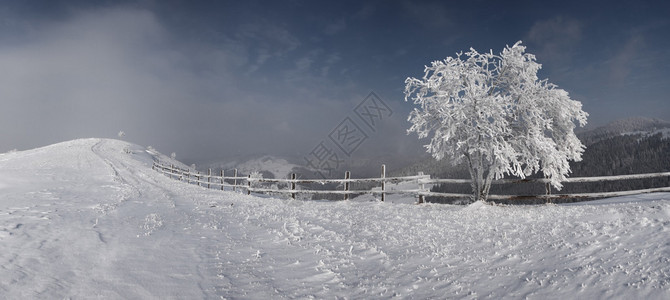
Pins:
<point x="492" y="112"/>
<point x="255" y="176"/>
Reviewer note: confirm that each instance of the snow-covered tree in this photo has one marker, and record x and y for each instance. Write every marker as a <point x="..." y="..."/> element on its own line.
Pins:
<point x="493" y="113"/>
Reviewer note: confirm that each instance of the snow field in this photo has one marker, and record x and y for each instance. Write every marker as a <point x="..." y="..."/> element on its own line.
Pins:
<point x="83" y="219"/>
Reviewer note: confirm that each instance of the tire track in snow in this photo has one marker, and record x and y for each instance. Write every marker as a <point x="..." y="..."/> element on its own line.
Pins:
<point x="134" y="177"/>
<point x="135" y="192"/>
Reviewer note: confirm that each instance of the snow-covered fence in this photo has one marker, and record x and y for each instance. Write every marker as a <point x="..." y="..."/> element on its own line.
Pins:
<point x="549" y="195"/>
<point x="249" y="184"/>
<point x="194" y="177"/>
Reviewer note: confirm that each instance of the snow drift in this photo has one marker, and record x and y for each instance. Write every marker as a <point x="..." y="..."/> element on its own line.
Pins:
<point x="86" y="219"/>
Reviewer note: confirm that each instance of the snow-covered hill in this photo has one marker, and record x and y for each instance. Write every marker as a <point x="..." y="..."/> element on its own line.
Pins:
<point x="85" y="219"/>
<point x="635" y="125"/>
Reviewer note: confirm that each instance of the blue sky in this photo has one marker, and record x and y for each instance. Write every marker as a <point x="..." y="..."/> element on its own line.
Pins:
<point x="218" y="79"/>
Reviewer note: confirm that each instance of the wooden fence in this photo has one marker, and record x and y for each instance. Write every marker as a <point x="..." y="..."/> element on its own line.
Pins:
<point x="247" y="183"/>
<point x="423" y="182"/>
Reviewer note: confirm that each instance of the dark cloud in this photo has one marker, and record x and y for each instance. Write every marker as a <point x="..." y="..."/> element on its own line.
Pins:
<point x="216" y="79"/>
<point x="119" y="69"/>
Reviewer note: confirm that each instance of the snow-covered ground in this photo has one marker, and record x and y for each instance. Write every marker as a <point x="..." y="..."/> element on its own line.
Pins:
<point x="84" y="219"/>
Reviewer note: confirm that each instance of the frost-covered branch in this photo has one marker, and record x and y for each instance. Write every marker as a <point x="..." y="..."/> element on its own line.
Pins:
<point x="493" y="112"/>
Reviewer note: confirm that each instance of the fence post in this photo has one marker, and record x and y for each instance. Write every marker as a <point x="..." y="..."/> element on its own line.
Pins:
<point x="383" y="182"/>
<point x="222" y="182"/>
<point x="293" y="185"/>
<point x="171" y="170"/>
<point x="421" y="188"/>
<point x="188" y="176"/>
<point x="249" y="184"/>
<point x="209" y="176"/>
<point x="197" y="178"/>
<point x="235" y="181"/>
<point x="347" y="175"/>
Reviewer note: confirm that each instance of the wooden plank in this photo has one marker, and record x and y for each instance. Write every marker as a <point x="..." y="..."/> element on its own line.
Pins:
<point x="554" y="196"/>
<point x="263" y="190"/>
<point x="617" y="177"/>
<point x="546" y="180"/>
<point x="440" y="180"/>
<point x="323" y="181"/>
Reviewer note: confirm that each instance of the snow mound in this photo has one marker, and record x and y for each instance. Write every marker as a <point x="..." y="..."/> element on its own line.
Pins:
<point x="90" y="219"/>
<point x="477" y="205"/>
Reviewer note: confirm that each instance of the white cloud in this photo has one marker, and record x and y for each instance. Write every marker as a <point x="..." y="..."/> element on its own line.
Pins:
<point x="104" y="70"/>
<point x="264" y="41"/>
<point x="621" y="65"/>
<point x="555" y="38"/>
<point x="101" y="71"/>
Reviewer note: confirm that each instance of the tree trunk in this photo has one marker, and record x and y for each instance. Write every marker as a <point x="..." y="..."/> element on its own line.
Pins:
<point x="481" y="180"/>
<point x="489" y="179"/>
<point x="473" y="178"/>
<point x="477" y="178"/>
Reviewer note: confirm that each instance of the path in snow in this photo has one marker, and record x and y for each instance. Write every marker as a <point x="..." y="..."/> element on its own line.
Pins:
<point x="85" y="219"/>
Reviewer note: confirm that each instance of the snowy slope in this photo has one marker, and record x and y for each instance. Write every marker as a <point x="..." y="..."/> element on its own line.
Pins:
<point x="84" y="219"/>
<point x="634" y="125"/>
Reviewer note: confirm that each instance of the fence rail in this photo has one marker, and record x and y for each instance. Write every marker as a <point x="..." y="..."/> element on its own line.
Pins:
<point x="247" y="183"/>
